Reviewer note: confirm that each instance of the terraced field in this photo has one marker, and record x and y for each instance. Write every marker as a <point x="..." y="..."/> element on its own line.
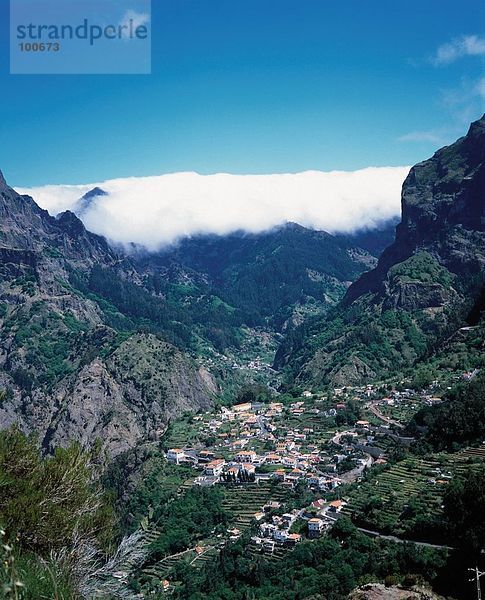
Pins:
<point x="184" y="432"/>
<point x="242" y="501"/>
<point x="161" y="569"/>
<point x="388" y="500"/>
<point x="279" y="553"/>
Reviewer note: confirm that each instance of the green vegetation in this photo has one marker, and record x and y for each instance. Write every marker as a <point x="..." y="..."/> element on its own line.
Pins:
<point x="128" y="306"/>
<point x="157" y="483"/>
<point x="421" y="267"/>
<point x="460" y="420"/>
<point x="387" y="333"/>
<point x="195" y="515"/>
<point x="464" y="507"/>
<point x="406" y="498"/>
<point x="327" y="568"/>
<point x="48" y="507"/>
<point x="47" y="346"/>
<point x="384" y="341"/>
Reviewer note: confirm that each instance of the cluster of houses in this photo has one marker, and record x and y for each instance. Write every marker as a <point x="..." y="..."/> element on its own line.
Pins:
<point x="276" y="530"/>
<point x="254" y="443"/>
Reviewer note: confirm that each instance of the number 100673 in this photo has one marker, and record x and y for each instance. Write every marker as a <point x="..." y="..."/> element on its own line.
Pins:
<point x="40" y="47"/>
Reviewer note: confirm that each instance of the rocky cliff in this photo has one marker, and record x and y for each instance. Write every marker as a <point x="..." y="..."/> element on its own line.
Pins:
<point x="443" y="213"/>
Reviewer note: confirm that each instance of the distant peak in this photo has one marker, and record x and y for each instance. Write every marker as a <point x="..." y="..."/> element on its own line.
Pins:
<point x="96" y="191"/>
<point x="3" y="183"/>
<point x="85" y="202"/>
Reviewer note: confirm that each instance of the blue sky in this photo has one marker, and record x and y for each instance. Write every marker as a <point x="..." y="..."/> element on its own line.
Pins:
<point x="255" y="86"/>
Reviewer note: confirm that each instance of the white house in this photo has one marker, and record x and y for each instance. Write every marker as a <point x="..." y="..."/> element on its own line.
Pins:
<point x="280" y="535"/>
<point x="175" y="455"/>
<point x="245" y="456"/>
<point x="215" y="467"/>
<point x="315" y="527"/>
<point x="248" y="467"/>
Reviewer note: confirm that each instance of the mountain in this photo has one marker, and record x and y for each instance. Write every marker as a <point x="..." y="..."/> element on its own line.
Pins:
<point x="424" y="287"/>
<point x="86" y="201"/>
<point x="443" y="204"/>
<point x="98" y="343"/>
<point x="73" y="366"/>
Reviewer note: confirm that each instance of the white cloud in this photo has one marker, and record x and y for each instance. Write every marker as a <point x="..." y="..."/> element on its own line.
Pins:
<point x="156" y="211"/>
<point x="433" y="136"/>
<point x="131" y="20"/>
<point x="466" y="45"/>
<point x="480" y="87"/>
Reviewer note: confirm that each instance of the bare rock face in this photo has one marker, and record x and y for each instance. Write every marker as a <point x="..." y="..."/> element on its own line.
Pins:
<point x="92" y="408"/>
<point x="416" y="295"/>
<point x="378" y="591"/>
<point x="120" y="401"/>
<point x="129" y="397"/>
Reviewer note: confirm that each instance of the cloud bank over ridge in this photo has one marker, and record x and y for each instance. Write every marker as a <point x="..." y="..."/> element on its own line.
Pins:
<point x="157" y="211"/>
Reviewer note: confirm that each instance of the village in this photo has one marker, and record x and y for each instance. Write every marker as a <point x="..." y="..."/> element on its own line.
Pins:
<point x="314" y="443"/>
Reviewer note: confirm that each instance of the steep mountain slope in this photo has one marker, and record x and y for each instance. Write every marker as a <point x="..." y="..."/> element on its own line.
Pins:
<point x="62" y="352"/>
<point x="443" y="204"/>
<point x="425" y="284"/>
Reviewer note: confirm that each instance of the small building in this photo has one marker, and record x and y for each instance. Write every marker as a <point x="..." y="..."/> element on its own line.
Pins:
<point x="288" y="519"/>
<point x="215" y="467"/>
<point x="314" y="479"/>
<point x="243" y="407"/>
<point x="233" y="471"/>
<point x="280" y="535"/>
<point x="315" y="527"/>
<point x="293" y="539"/>
<point x="336" y="506"/>
<point x="175" y="455"/>
<point x="279" y="475"/>
<point x="271" y="505"/>
<point x="248" y="467"/>
<point x="273" y="459"/>
<point x="206" y="455"/>
<point x="245" y="456"/>
<point x="267" y="529"/>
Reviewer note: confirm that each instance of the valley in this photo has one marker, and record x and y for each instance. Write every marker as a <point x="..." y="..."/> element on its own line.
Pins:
<point x="276" y="415"/>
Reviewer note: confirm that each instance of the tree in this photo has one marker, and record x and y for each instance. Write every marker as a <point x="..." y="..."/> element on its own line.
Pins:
<point x="45" y="502"/>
